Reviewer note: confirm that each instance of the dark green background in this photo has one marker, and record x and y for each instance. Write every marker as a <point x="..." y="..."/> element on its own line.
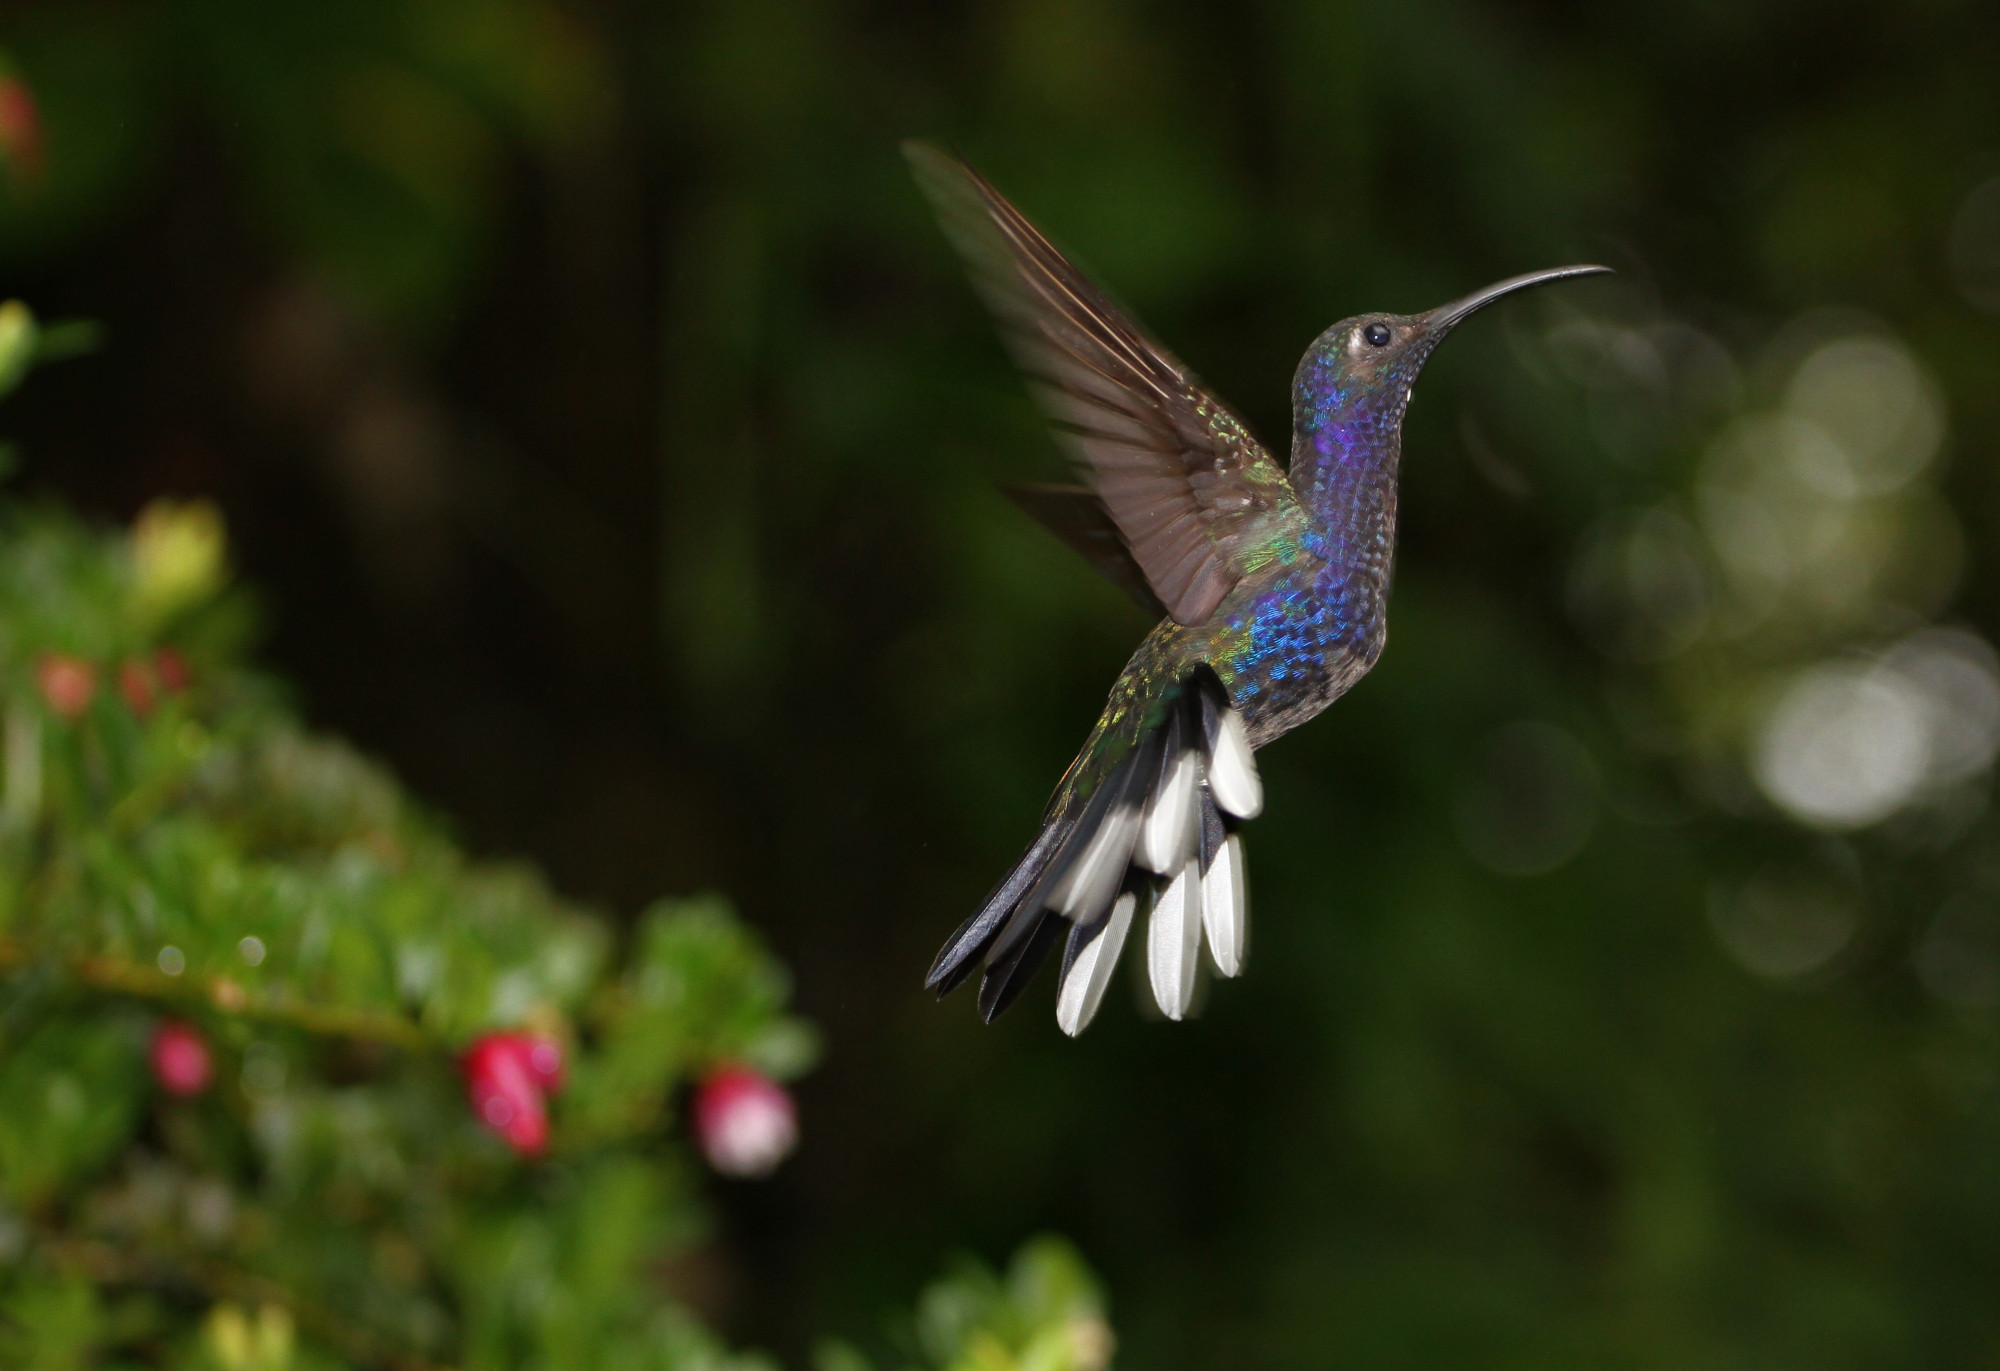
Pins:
<point x="613" y="444"/>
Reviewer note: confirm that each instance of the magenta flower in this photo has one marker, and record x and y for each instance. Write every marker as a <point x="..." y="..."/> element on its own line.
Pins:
<point x="180" y="1058"/>
<point x="508" y="1076"/>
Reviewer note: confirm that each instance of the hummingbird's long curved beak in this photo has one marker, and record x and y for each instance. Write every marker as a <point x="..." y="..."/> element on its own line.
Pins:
<point x="1445" y="316"/>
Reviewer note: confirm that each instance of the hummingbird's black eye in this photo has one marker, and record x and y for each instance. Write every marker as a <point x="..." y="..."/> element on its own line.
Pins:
<point x="1377" y="335"/>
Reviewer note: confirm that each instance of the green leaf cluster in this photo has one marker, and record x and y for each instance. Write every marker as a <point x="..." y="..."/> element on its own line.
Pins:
<point x="175" y="844"/>
<point x="1043" y="1314"/>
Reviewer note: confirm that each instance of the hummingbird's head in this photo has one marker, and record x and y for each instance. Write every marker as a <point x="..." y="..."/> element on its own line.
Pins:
<point x="1361" y="369"/>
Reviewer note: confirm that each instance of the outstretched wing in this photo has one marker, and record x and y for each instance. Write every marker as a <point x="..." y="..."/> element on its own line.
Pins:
<point x="1193" y="495"/>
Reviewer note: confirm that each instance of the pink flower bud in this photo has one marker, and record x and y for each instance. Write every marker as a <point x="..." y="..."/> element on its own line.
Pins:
<point x="181" y="1061"/>
<point x="745" y="1121"/>
<point x="505" y="1075"/>
<point x="68" y="683"/>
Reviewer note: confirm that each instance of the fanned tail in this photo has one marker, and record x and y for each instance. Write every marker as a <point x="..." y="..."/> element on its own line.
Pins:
<point x="1156" y="836"/>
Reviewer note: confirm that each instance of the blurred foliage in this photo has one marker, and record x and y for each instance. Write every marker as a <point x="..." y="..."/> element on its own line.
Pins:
<point x="617" y="439"/>
<point x="372" y="130"/>
<point x="173" y="843"/>
<point x="1044" y="1315"/>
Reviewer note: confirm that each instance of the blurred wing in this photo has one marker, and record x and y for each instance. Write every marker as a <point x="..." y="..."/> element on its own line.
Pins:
<point x="1075" y="515"/>
<point x="1193" y="495"/>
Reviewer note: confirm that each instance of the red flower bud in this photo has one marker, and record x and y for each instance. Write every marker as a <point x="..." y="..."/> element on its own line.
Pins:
<point x="172" y="669"/>
<point x="135" y="683"/>
<point x="181" y="1061"/>
<point x="20" y="128"/>
<point x="745" y="1121"/>
<point x="68" y="683"/>
<point x="505" y="1076"/>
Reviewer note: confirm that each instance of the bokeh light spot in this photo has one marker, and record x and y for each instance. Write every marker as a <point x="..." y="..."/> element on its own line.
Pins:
<point x="1529" y="802"/>
<point x="1975" y="247"/>
<point x="1958" y="958"/>
<point x="1640" y="585"/>
<point x="1786" y="922"/>
<point x="1959" y="676"/>
<point x="1878" y="410"/>
<point x="1846" y="746"/>
<point x="1849" y="743"/>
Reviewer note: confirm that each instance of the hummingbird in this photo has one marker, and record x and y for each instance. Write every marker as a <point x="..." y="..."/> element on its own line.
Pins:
<point x="1271" y="584"/>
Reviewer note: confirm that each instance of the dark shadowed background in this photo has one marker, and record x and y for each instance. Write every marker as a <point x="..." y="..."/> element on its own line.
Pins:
<point x="613" y="445"/>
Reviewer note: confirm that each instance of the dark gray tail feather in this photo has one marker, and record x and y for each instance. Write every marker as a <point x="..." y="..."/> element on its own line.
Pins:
<point x="962" y="950"/>
<point x="1025" y="940"/>
<point x="1007" y="977"/>
<point x="1215" y="830"/>
<point x="1109" y="816"/>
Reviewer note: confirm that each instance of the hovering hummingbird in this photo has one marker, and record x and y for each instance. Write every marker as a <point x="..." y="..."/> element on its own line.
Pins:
<point x="1271" y="583"/>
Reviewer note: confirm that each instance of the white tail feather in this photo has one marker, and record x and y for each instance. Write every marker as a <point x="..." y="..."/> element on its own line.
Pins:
<point x="1083" y="989"/>
<point x="1086" y="887"/>
<point x="1167" y="833"/>
<point x="1226" y="907"/>
<point x="1173" y="942"/>
<point x="1232" y="770"/>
